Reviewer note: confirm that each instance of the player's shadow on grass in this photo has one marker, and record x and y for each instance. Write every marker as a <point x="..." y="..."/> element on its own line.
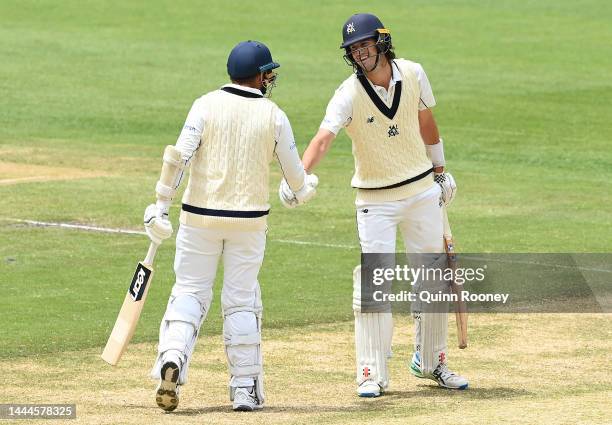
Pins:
<point x="268" y="409"/>
<point x="389" y="399"/>
<point x="491" y="393"/>
<point x="367" y="404"/>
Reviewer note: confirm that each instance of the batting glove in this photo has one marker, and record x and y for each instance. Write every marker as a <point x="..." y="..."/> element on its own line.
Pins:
<point x="291" y="199"/>
<point x="156" y="223"/>
<point x="447" y="186"/>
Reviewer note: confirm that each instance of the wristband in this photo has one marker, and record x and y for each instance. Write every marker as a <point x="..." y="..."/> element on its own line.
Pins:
<point x="436" y="154"/>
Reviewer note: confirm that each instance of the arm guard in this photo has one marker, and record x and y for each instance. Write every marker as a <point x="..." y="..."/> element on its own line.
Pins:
<point x="171" y="174"/>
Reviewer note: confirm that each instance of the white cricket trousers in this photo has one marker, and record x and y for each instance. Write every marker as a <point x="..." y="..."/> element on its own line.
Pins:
<point x="198" y="251"/>
<point x="419" y="219"/>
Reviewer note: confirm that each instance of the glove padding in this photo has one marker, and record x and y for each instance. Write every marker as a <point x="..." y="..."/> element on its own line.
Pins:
<point x="291" y="199"/>
<point x="448" y="187"/>
<point x="157" y="225"/>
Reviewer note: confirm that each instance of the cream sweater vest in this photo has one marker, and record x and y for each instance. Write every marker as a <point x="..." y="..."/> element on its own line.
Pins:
<point x="391" y="162"/>
<point x="228" y="182"/>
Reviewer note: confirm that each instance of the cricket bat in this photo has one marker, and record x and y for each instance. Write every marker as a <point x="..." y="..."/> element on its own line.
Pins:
<point x="461" y="315"/>
<point x="130" y="310"/>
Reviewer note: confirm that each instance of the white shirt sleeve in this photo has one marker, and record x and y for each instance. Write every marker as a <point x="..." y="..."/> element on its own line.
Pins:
<point x="339" y="111"/>
<point x="427" y="98"/>
<point x="190" y="138"/>
<point x="287" y="153"/>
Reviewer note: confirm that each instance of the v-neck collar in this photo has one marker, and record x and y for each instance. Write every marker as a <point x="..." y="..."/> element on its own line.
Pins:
<point x="382" y="107"/>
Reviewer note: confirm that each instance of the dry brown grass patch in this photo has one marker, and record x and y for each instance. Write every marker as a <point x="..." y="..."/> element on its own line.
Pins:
<point x="15" y="173"/>
<point x="529" y="368"/>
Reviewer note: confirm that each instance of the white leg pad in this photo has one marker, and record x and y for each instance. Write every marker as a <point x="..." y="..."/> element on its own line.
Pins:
<point x="242" y="337"/>
<point x="373" y="335"/>
<point x="178" y="333"/>
<point x="430" y="319"/>
<point x="430" y="339"/>
<point x="367" y="305"/>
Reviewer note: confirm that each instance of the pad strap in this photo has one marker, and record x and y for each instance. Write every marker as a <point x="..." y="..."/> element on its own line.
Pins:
<point x="245" y="371"/>
<point x="250" y="339"/>
<point x="164" y="192"/>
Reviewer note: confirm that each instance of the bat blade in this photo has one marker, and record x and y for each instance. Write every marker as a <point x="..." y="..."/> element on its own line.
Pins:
<point x="128" y="317"/>
<point x="461" y="315"/>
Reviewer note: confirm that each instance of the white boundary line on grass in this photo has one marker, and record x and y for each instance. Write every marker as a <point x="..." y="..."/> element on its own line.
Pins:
<point x="140" y="232"/>
<point x="325" y="245"/>
<point x="76" y="226"/>
<point x="287" y="241"/>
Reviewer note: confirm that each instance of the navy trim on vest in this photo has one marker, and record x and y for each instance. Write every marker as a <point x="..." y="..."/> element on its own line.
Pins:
<point x="388" y="112"/>
<point x="402" y="183"/>
<point x="224" y="213"/>
<point x="243" y="93"/>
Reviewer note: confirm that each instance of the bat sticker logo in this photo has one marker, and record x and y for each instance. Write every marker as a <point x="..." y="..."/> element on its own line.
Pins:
<point x="139" y="282"/>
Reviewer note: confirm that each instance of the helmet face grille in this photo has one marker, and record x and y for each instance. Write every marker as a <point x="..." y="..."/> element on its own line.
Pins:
<point x="383" y="45"/>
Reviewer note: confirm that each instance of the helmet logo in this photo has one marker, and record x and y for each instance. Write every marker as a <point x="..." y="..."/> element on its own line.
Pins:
<point x="350" y="28"/>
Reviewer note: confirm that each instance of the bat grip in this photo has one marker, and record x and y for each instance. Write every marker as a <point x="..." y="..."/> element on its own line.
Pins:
<point x="151" y="254"/>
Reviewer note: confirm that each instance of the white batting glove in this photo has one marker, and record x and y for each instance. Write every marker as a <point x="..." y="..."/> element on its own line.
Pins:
<point x="156" y="223"/>
<point x="291" y="199"/>
<point x="447" y="185"/>
<point x="286" y="195"/>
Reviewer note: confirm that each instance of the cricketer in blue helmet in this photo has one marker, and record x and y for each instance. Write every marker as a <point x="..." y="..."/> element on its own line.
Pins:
<point x="250" y="58"/>
<point x="401" y="183"/>
<point x="229" y="138"/>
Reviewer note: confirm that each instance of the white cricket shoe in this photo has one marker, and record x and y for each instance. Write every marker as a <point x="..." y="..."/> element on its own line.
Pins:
<point x="167" y="393"/>
<point x="449" y="379"/>
<point x="245" y="400"/>
<point x="369" y="388"/>
<point x="442" y="375"/>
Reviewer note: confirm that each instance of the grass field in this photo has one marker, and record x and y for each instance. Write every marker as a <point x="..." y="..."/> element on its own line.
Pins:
<point x="92" y="91"/>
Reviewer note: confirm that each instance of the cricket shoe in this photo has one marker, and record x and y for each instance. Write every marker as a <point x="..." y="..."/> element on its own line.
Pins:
<point x="167" y="393"/>
<point x="245" y="400"/>
<point x="444" y="377"/>
<point x="369" y="388"/>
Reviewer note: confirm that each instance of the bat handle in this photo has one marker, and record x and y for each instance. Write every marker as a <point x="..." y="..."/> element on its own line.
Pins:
<point x="151" y="254"/>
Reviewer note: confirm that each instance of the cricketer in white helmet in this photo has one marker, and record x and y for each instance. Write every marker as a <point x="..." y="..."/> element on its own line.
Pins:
<point x="229" y="139"/>
<point x="385" y="106"/>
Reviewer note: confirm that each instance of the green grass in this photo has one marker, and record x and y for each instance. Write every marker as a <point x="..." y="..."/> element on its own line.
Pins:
<point x="524" y="105"/>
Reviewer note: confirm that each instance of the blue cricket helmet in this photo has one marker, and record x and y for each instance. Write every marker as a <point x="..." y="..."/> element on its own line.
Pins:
<point x="362" y="26"/>
<point x="248" y="59"/>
